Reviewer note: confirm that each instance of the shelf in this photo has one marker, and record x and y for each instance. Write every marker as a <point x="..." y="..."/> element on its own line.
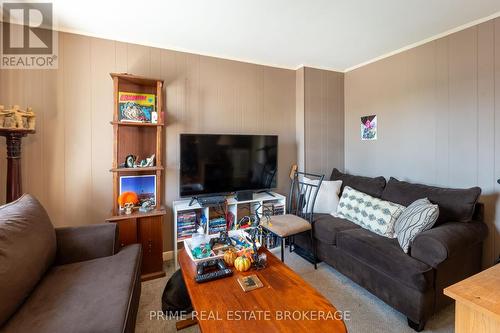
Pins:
<point x="4" y="130"/>
<point x="137" y="214"/>
<point x="155" y="168"/>
<point x="124" y="123"/>
<point x="140" y="139"/>
<point x="213" y="235"/>
<point x="136" y="79"/>
<point x="183" y="204"/>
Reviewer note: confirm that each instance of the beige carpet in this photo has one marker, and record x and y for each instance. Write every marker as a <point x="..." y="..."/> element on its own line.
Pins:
<point x="368" y="313"/>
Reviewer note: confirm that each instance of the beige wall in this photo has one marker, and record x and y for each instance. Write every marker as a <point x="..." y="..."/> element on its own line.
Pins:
<point x="320" y="120"/>
<point x="438" y="110"/>
<point x="65" y="164"/>
<point x="437" y="105"/>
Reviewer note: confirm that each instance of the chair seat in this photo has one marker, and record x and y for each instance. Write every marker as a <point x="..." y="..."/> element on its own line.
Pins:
<point x="286" y="225"/>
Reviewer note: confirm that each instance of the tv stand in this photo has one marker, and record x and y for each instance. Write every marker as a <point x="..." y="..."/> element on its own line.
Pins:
<point x="266" y="192"/>
<point x="208" y="200"/>
<point x="239" y="209"/>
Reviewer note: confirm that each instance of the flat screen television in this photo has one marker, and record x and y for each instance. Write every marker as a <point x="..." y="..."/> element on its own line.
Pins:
<point x="227" y="163"/>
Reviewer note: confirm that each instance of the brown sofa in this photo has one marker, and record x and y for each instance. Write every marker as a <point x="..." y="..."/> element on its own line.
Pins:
<point x="411" y="283"/>
<point x="64" y="279"/>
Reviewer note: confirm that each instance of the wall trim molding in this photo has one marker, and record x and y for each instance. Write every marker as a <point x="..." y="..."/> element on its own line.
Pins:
<point x="168" y="255"/>
<point x="427" y="40"/>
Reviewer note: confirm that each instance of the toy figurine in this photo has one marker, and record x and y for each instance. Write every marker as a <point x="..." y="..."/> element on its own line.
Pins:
<point x="130" y="161"/>
<point x="148" y="162"/>
<point x="31" y="118"/>
<point x="128" y="208"/>
<point x="258" y="262"/>
<point x="7" y="118"/>
<point x="3" y="114"/>
<point x="146" y="206"/>
<point x="17" y="118"/>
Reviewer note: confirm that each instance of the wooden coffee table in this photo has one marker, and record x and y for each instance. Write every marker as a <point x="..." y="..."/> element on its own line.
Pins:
<point x="477" y="307"/>
<point x="286" y="303"/>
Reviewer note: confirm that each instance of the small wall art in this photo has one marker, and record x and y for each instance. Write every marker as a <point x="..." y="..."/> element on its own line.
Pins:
<point x="369" y="127"/>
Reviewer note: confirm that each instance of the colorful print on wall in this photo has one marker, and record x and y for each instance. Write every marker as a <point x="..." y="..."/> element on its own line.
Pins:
<point x="369" y="127"/>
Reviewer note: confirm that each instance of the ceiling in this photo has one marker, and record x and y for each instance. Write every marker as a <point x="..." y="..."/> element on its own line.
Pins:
<point x="329" y="34"/>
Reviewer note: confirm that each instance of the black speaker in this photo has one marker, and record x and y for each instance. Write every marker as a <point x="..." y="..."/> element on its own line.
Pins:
<point x="244" y="195"/>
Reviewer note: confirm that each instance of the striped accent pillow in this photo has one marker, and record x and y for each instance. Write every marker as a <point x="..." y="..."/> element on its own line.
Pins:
<point x="417" y="217"/>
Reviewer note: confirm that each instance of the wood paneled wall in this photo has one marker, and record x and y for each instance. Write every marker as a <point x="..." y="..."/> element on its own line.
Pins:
<point x="438" y="111"/>
<point x="65" y="164"/>
<point x="320" y="120"/>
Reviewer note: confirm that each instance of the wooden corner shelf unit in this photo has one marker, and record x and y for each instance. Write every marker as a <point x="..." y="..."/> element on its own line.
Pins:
<point x="141" y="140"/>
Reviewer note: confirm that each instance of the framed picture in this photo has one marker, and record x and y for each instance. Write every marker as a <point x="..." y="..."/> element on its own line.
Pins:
<point x="369" y="127"/>
<point x="144" y="186"/>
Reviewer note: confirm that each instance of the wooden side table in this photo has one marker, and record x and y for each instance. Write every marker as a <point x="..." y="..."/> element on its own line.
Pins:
<point x="477" y="299"/>
<point x="13" y="137"/>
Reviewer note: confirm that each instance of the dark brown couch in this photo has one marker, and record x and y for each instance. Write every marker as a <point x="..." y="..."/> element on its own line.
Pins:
<point x="411" y="283"/>
<point x="64" y="279"/>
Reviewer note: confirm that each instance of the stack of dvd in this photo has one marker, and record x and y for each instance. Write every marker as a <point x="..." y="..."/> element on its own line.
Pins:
<point x="186" y="224"/>
<point x="273" y="208"/>
<point x="278" y="209"/>
<point x="217" y="225"/>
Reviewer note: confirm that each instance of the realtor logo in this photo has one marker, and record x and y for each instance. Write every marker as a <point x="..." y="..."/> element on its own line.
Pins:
<point x="28" y="40"/>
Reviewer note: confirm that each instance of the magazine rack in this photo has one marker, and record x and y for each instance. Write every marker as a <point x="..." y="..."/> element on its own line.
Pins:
<point x="141" y="139"/>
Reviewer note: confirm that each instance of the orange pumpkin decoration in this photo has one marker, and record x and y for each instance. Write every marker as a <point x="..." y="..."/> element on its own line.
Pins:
<point x="229" y="257"/>
<point x="242" y="264"/>
<point x="128" y="197"/>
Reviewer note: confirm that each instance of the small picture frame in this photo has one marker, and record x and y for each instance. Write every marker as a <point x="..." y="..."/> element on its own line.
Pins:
<point x="369" y="128"/>
<point x="143" y="185"/>
<point x="250" y="282"/>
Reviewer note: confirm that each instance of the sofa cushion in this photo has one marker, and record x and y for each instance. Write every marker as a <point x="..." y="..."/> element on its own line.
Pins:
<point x="27" y="250"/>
<point x="386" y="256"/>
<point x="372" y="186"/>
<point x="455" y="205"/>
<point x="327" y="226"/>
<point x="87" y="296"/>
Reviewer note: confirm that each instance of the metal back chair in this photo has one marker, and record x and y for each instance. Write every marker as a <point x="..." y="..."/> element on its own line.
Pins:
<point x="300" y="211"/>
<point x="302" y="196"/>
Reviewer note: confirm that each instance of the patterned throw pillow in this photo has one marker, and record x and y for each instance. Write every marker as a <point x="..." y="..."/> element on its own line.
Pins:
<point x="368" y="212"/>
<point x="417" y="217"/>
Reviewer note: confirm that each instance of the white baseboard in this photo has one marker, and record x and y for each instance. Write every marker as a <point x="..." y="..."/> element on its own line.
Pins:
<point x="168" y="255"/>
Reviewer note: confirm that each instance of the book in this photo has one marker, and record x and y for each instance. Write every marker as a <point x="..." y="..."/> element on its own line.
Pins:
<point x="133" y="107"/>
<point x="250" y="282"/>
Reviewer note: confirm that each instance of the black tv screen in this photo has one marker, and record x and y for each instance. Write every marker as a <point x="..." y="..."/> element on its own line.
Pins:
<point x="225" y="163"/>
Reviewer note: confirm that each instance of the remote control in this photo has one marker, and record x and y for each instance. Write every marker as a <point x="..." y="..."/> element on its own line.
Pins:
<point x="222" y="271"/>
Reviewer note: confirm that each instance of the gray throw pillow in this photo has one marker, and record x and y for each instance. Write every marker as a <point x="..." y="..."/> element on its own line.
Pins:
<point x="417" y="217"/>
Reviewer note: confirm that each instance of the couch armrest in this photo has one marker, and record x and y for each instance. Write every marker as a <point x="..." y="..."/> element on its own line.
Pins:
<point x="435" y="245"/>
<point x="86" y="242"/>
